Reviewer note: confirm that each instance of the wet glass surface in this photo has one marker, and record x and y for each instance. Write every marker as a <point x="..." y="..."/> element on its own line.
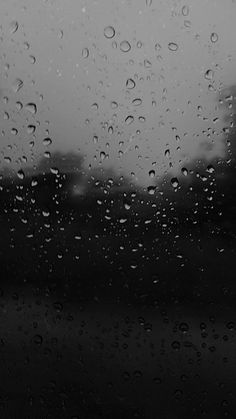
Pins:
<point x="117" y="209"/>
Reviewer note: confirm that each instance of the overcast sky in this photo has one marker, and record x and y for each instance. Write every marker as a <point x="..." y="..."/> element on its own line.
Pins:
<point x="126" y="83"/>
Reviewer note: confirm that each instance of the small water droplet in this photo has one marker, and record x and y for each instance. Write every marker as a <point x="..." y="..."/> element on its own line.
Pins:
<point x="20" y="174"/>
<point x="102" y="155"/>
<point x="129" y="119"/>
<point x="157" y="46"/>
<point x="214" y="37"/>
<point x="47" y="141"/>
<point x="152" y="173"/>
<point x="130" y="84"/>
<point x="209" y="74"/>
<point x="31" y="107"/>
<point x="151" y="190"/>
<point x="210" y="169"/>
<point x="176" y="345"/>
<point x="17" y="85"/>
<point x="185" y="10"/>
<point x="174" y="182"/>
<point x="109" y="32"/>
<point x="184" y="171"/>
<point x="31" y="129"/>
<point x="137" y="102"/>
<point x="14" y="26"/>
<point x="125" y="46"/>
<point x="173" y="46"/>
<point x="85" y="52"/>
<point x="38" y="340"/>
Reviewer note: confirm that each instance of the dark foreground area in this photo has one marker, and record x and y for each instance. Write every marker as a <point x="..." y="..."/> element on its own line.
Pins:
<point x="116" y="307"/>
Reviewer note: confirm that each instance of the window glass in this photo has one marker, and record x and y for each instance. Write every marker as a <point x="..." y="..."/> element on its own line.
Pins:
<point x="117" y="209"/>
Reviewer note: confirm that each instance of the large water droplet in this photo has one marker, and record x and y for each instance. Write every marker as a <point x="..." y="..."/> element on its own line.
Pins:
<point x="125" y="46"/>
<point x="109" y="32"/>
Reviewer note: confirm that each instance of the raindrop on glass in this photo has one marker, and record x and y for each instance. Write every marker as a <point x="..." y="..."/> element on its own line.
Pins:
<point x="209" y="74"/>
<point x="130" y="84"/>
<point x="14" y="26"/>
<point x="17" y="85"/>
<point x="109" y="32"/>
<point x="85" y="53"/>
<point x="172" y="46"/>
<point x="214" y="37"/>
<point x="125" y="46"/>
<point x="129" y="119"/>
<point x="31" y="107"/>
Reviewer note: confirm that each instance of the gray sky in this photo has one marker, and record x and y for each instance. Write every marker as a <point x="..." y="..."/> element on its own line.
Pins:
<point x="75" y="68"/>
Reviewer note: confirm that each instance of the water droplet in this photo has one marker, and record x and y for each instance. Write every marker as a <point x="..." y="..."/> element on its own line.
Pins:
<point x="214" y="37"/>
<point x="151" y="190"/>
<point x="185" y="10"/>
<point x="85" y="52"/>
<point x="137" y="102"/>
<point x="174" y="182"/>
<point x="109" y="32"/>
<point x="47" y="141"/>
<point x="17" y="85"/>
<point x="14" y="26"/>
<point x="38" y="340"/>
<point x="20" y="174"/>
<point x="187" y="24"/>
<point x="184" y="171"/>
<point x="32" y="59"/>
<point x="176" y="345"/>
<point x="14" y="131"/>
<point x="31" y="129"/>
<point x="210" y="169"/>
<point x="157" y="46"/>
<point x="114" y="105"/>
<point x="19" y="106"/>
<point x="102" y="155"/>
<point x="183" y="327"/>
<point x="147" y="63"/>
<point x="31" y="107"/>
<point x="125" y="46"/>
<point x="127" y="206"/>
<point x="209" y="74"/>
<point x="167" y="152"/>
<point x="130" y="84"/>
<point x="129" y="119"/>
<point x="152" y="173"/>
<point x="173" y="46"/>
